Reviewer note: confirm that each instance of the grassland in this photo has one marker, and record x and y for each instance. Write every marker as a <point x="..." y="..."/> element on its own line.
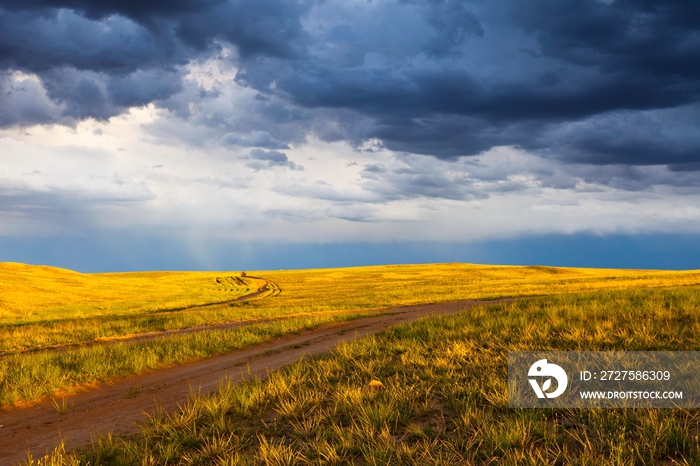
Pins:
<point x="38" y="293"/>
<point x="443" y="400"/>
<point x="42" y="307"/>
<point x="45" y="307"/>
<point x="28" y="377"/>
<point x="398" y="285"/>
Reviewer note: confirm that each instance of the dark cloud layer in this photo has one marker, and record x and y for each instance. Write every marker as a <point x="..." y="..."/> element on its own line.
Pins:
<point x="591" y="82"/>
<point x="97" y="59"/>
<point x="655" y="39"/>
<point x="256" y="27"/>
<point x="261" y="159"/>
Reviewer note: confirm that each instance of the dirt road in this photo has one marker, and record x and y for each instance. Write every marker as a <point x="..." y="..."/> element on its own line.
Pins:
<point x="118" y="406"/>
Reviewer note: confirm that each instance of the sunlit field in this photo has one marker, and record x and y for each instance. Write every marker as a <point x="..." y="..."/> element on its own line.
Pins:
<point x="442" y="396"/>
<point x="32" y="376"/>
<point x="397" y="285"/>
<point x="35" y="293"/>
<point x="44" y="308"/>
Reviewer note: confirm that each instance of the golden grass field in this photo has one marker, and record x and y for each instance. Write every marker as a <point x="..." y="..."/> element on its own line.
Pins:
<point x="397" y="285"/>
<point x="37" y="293"/>
<point x="46" y="307"/>
<point x="418" y="420"/>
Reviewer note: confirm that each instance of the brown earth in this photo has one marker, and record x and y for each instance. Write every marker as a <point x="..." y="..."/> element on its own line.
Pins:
<point x="118" y="406"/>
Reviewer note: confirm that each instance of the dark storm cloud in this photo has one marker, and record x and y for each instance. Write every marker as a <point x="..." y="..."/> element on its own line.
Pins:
<point x="654" y="38"/>
<point x="452" y="21"/>
<point x="586" y="62"/>
<point x="87" y="68"/>
<point x="45" y="40"/>
<point x="450" y="116"/>
<point x="447" y="136"/>
<point x="632" y="138"/>
<point x="590" y="82"/>
<point x="96" y="10"/>
<point x="24" y="99"/>
<point x="96" y="59"/>
<point x="120" y="34"/>
<point x="261" y="159"/>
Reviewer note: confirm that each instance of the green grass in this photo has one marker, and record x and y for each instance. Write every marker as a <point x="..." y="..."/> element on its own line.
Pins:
<point x="444" y="399"/>
<point x="30" y="377"/>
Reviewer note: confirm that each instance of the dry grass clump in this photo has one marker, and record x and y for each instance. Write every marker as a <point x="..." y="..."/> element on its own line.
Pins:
<point x="375" y="384"/>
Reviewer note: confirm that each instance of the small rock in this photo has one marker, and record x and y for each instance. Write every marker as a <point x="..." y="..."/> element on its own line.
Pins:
<point x="376" y="384"/>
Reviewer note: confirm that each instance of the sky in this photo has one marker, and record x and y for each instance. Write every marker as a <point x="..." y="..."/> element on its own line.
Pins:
<point x="228" y="134"/>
